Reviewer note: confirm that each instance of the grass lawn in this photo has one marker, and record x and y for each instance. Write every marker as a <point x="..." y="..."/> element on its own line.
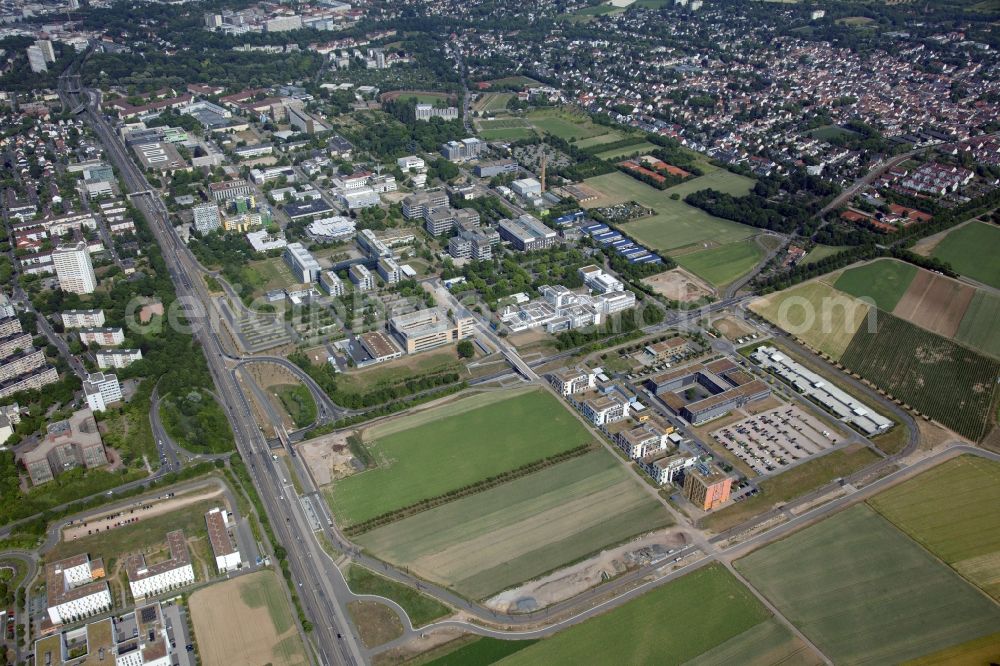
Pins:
<point x="421" y="609"/>
<point x="482" y="544"/>
<point x="603" y="139"/>
<point x="863" y="592"/>
<point x="951" y="510"/>
<point x="566" y="124"/>
<point x="789" y="485"/>
<point x="298" y="402"/>
<point x="721" y="265"/>
<point x="675" y="224"/>
<point x="493" y="102"/>
<point x="479" y="652"/>
<point x="668" y="625"/>
<point x="453" y="451"/>
<point x="980" y="324"/>
<point x="506" y="134"/>
<point x="821" y="252"/>
<point x="148" y="533"/>
<point x="884" y="281"/>
<point x="816" y="313"/>
<point x="268" y="274"/>
<point x="830" y="132"/>
<point x="388" y="374"/>
<point x="639" y="147"/>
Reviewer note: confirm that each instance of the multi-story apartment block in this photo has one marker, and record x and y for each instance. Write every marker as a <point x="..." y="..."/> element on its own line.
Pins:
<point x="104" y="336"/>
<point x="664" y="467"/>
<point x="117" y="358"/>
<point x="642" y="440"/>
<point x="331" y="283"/>
<point x="429" y="328"/>
<point x="361" y="277"/>
<point x="75" y="442"/>
<point x="74" y="268"/>
<point x="227" y="555"/>
<point x="472" y="244"/>
<point x="604" y="409"/>
<point x="146" y="580"/>
<point x="6" y="307"/>
<point x="10" y="326"/>
<point x="21" y="363"/>
<point x="417" y="205"/>
<point x="439" y="221"/>
<point x="569" y="381"/>
<point x="302" y="264"/>
<point x="389" y="270"/>
<point x="229" y="189"/>
<point x="30" y="382"/>
<point x="73" y="589"/>
<point x="706" y="487"/>
<point x="101" y="389"/>
<point x="206" y="217"/>
<point x="461" y="151"/>
<point x="82" y="318"/>
<point x="14" y="344"/>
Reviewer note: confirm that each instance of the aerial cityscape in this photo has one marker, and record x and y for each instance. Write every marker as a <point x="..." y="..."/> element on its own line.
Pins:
<point x="456" y="332"/>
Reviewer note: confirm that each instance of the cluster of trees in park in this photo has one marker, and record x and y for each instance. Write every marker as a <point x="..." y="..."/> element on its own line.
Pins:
<point x="751" y="209"/>
<point x="390" y="140"/>
<point x="497" y="278"/>
<point x="196" y="422"/>
<point x="490" y="209"/>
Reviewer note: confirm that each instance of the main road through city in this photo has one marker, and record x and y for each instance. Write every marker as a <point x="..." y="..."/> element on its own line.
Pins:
<point x="316" y="584"/>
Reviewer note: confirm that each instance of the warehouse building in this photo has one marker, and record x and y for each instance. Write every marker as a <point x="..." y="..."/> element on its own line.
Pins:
<point x="227" y="555"/>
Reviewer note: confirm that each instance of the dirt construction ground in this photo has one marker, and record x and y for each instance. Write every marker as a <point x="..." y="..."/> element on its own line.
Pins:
<point x="140" y="510"/>
<point x="246" y="621"/>
<point x="679" y="285"/>
<point x="327" y="457"/>
<point x="571" y="581"/>
<point x="935" y="302"/>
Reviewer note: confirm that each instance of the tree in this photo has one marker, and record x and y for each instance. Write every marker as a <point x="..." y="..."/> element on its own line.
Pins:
<point x="465" y="349"/>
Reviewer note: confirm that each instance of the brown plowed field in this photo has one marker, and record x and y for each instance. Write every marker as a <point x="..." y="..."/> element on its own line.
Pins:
<point x="935" y="302"/>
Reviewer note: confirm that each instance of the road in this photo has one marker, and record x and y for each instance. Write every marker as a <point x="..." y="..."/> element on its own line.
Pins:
<point x="333" y="639"/>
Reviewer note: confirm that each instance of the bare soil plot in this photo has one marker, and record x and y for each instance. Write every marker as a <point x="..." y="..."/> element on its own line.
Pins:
<point x="247" y="621"/>
<point x="377" y="623"/>
<point x="328" y="457"/>
<point x="679" y="285"/>
<point x="732" y="328"/>
<point x="935" y="302"/>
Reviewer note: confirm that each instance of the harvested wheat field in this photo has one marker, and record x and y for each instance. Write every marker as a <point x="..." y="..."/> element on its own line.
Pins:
<point x="246" y="620"/>
<point x="935" y="302"/>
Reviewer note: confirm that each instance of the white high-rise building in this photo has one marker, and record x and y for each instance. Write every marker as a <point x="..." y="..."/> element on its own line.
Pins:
<point x="36" y="59"/>
<point x="101" y="389"/>
<point x="73" y="268"/>
<point x="206" y="217"/>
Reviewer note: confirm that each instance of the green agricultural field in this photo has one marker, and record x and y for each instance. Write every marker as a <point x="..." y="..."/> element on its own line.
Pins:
<point x="480" y="651"/>
<point x="951" y="510"/>
<point x="668" y="625"/>
<point x="985" y="650"/>
<point x="940" y="378"/>
<point x="721" y="265"/>
<point x="508" y="134"/>
<point x="821" y="252"/>
<point x="612" y="136"/>
<point x="980" y="324"/>
<point x="638" y="147"/>
<point x="972" y="250"/>
<point x="566" y="124"/>
<point x="298" y="402"/>
<point x="884" y="281"/>
<point x="763" y="644"/>
<point x="420" y="608"/>
<point x="863" y="592"/>
<point x="675" y="224"/>
<point x="484" y="543"/>
<point x="816" y="313"/>
<point x="452" y="451"/>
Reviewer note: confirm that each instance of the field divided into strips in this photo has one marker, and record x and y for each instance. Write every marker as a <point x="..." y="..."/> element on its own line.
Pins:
<point x="246" y="620"/>
<point x="863" y="592"/>
<point x="953" y="510"/>
<point x="980" y="327"/>
<point x="676" y="224"/>
<point x="972" y="250"/>
<point x="935" y="302"/>
<point x="668" y="625"/>
<point x="936" y="376"/>
<point x="824" y="318"/>
<point x="765" y="644"/>
<point x="884" y="281"/>
<point x="482" y="544"/>
<point x="443" y="449"/>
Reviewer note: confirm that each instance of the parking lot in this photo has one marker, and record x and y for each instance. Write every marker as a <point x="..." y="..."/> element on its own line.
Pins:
<point x="776" y="438"/>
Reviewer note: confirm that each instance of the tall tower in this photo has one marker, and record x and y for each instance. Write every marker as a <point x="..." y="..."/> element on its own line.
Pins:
<point x="545" y="159"/>
<point x="73" y="268"/>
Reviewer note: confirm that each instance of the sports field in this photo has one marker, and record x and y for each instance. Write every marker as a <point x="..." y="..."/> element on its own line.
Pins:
<point x="884" y="281"/>
<point x="863" y="592"/>
<point x="668" y="625"/>
<point x="675" y="224"/>
<point x="972" y="250"/>
<point x="484" y="543"/>
<point x="721" y="265"/>
<point x="246" y="620"/>
<point x="504" y="129"/>
<point x="981" y="323"/>
<point x="814" y="312"/>
<point x="821" y="252"/>
<point x="492" y="102"/>
<point x="940" y="378"/>
<point x="952" y="510"/>
<point x="446" y="448"/>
